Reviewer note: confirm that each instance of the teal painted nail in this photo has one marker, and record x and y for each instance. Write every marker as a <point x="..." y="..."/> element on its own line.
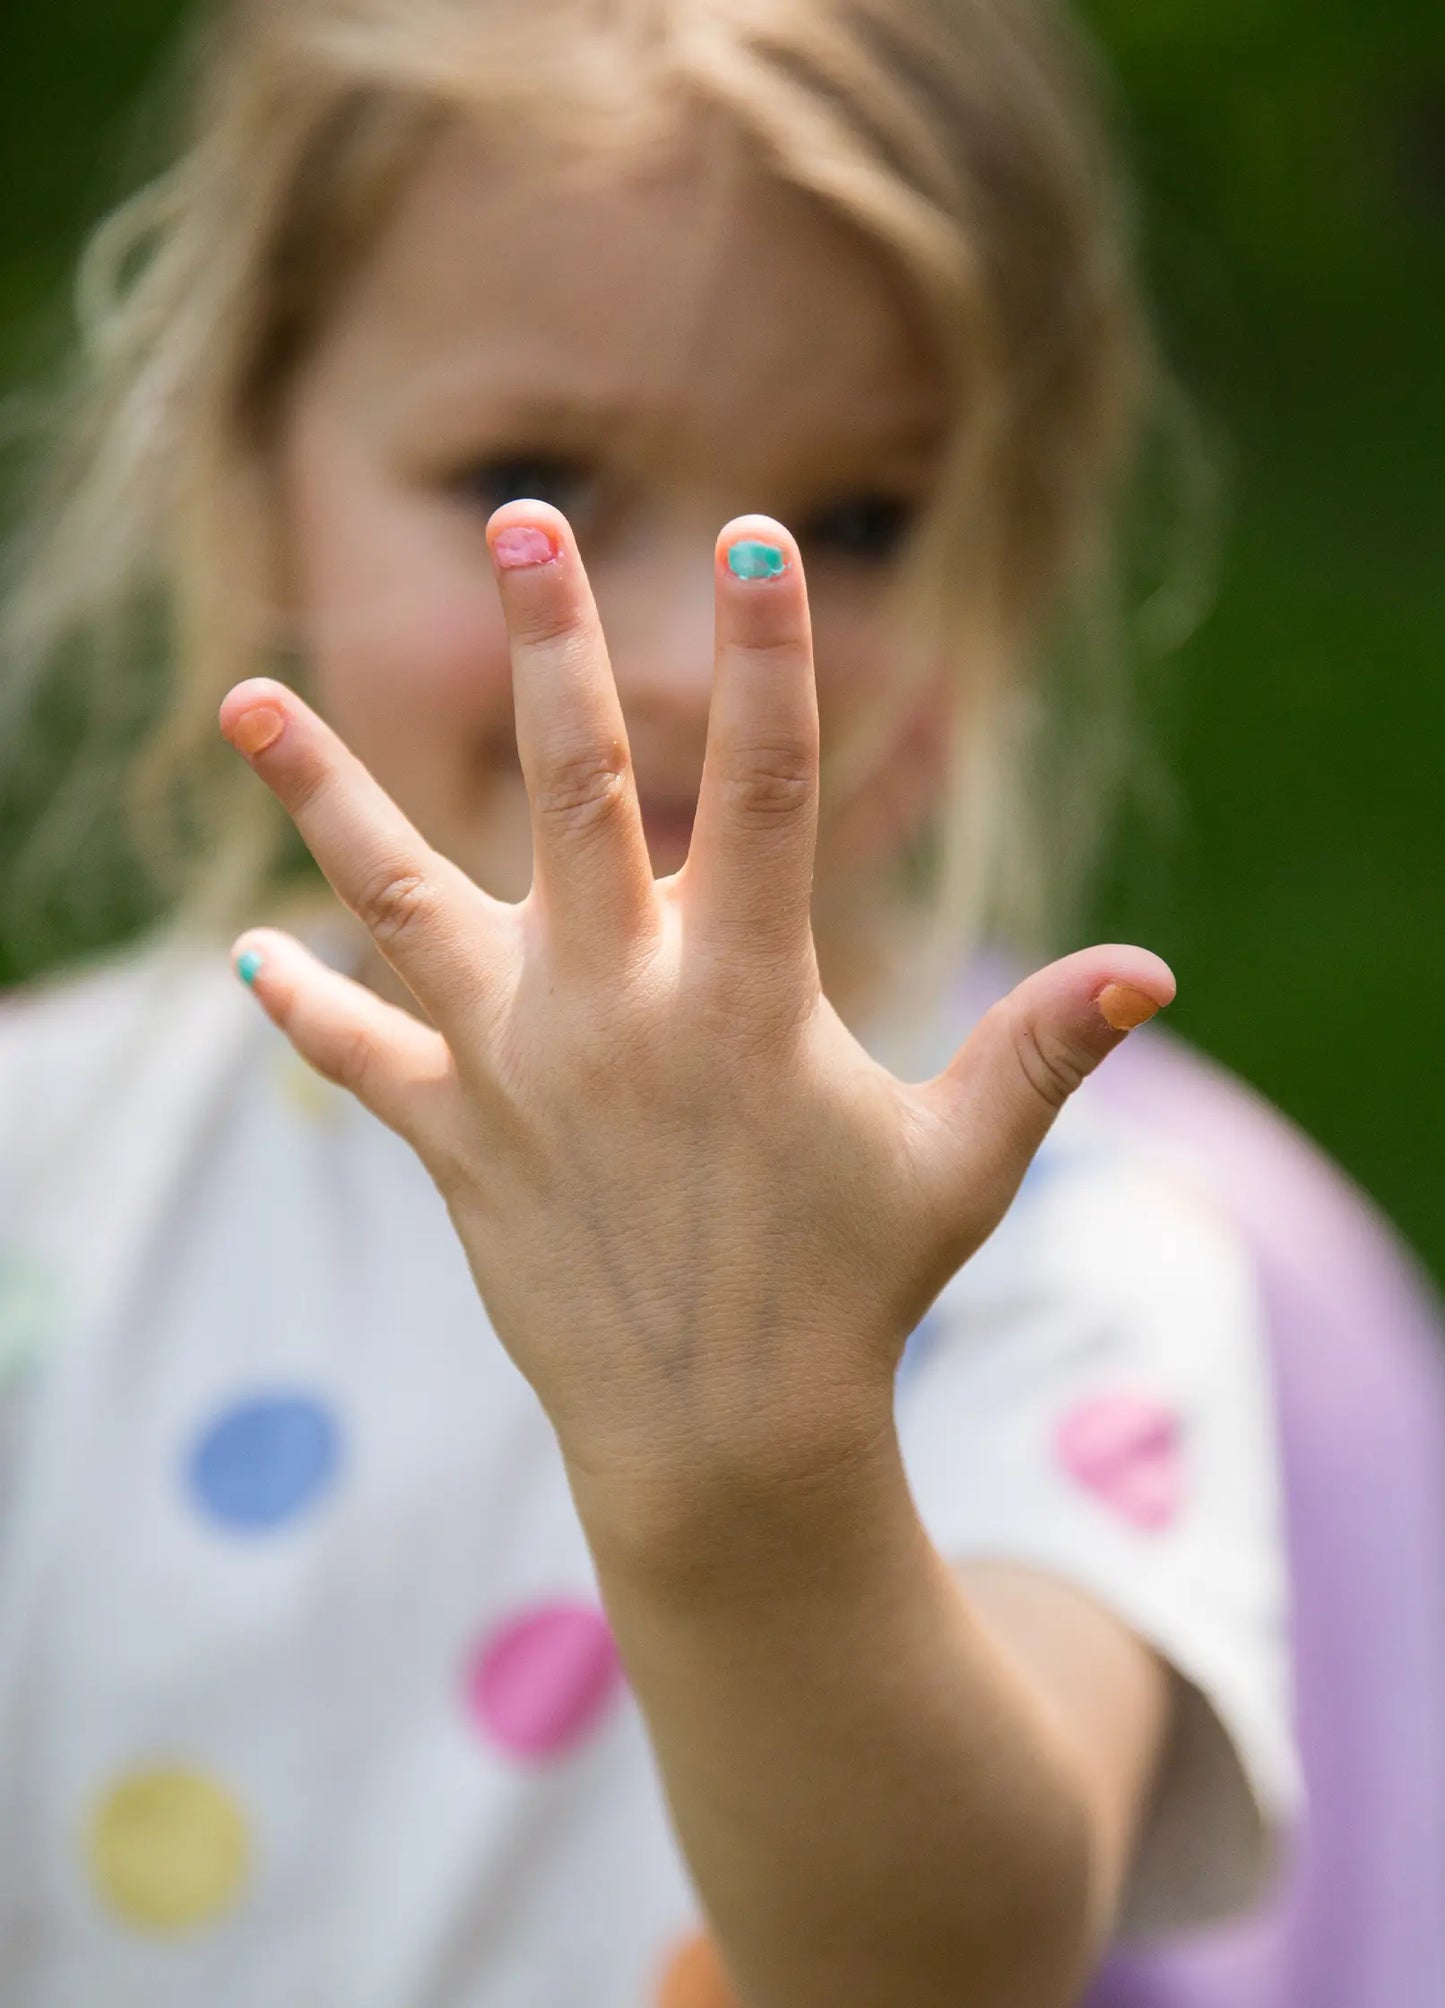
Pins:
<point x="247" y="965"/>
<point x="751" y="559"/>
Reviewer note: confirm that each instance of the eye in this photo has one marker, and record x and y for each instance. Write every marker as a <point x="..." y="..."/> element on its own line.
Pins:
<point x="866" y="527"/>
<point x="542" y="477"/>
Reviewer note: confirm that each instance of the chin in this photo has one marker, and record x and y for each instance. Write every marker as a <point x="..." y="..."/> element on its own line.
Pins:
<point x="667" y="858"/>
<point x="668" y="842"/>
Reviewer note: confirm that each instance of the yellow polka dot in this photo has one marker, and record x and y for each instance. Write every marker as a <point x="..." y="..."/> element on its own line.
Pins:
<point x="168" y="1848"/>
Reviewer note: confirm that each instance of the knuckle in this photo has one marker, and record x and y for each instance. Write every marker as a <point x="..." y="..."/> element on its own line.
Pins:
<point x="770" y="782"/>
<point x="351" y="1058"/>
<point x="583" y="787"/>
<point x="745" y="1009"/>
<point x="550" y="625"/>
<point x="309" y="789"/>
<point x="452" y="1167"/>
<point x="1050" y="1066"/>
<point x="396" y="902"/>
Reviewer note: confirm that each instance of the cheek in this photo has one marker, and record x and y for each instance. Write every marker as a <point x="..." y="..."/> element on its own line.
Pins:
<point x="401" y="623"/>
<point x="847" y="647"/>
<point x="909" y="769"/>
<point x="430" y="669"/>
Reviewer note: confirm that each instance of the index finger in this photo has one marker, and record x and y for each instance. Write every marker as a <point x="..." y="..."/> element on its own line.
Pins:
<point x="440" y="932"/>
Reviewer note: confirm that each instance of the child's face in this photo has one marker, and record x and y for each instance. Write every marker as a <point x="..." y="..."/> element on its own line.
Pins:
<point x="653" y="366"/>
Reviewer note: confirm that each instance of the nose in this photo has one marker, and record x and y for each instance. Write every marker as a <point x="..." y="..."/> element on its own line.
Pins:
<point x="655" y="600"/>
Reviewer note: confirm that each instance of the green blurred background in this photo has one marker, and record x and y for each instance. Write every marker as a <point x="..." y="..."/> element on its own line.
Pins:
<point x="1291" y="163"/>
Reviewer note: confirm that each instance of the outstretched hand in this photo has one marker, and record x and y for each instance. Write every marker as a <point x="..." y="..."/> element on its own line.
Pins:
<point x="702" y="1219"/>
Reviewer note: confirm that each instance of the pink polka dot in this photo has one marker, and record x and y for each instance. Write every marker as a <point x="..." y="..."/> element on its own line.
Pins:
<point x="537" y="1683"/>
<point x="1126" y="1450"/>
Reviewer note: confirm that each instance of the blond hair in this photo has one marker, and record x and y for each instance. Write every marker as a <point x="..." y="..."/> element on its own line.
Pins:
<point x="961" y="137"/>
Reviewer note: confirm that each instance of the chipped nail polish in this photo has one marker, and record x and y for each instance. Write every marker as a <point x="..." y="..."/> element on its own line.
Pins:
<point x="257" y="728"/>
<point x="1123" y="1007"/>
<point x="247" y="965"/>
<point x="750" y="558"/>
<point x="523" y="544"/>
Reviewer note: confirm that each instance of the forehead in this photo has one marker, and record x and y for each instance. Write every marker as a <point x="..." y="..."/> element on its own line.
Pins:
<point x="677" y="296"/>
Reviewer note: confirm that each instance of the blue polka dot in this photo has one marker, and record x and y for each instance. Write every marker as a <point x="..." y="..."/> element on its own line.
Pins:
<point x="265" y="1461"/>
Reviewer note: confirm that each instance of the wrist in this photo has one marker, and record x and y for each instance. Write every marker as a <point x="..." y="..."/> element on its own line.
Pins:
<point x="760" y="1519"/>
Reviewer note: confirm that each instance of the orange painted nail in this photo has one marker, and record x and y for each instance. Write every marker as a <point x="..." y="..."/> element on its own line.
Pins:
<point x="257" y="728"/>
<point x="1124" y="1007"/>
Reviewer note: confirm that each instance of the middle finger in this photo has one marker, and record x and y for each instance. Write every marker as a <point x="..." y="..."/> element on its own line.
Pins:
<point x="590" y="867"/>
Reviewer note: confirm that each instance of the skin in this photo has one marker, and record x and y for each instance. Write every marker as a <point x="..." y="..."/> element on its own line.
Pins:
<point x="443" y="383"/>
<point x="702" y="1219"/>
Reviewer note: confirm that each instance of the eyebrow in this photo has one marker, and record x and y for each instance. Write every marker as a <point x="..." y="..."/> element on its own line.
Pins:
<point x="550" y="412"/>
<point x="441" y="407"/>
<point x="521" y="417"/>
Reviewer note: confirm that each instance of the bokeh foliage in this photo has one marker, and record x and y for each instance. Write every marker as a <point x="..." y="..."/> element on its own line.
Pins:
<point x="1291" y="164"/>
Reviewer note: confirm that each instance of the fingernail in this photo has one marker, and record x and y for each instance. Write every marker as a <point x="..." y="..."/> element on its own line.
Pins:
<point x="247" y="963"/>
<point x="750" y="558"/>
<point x="257" y="728"/>
<point x="1124" y="1007"/>
<point x="523" y="544"/>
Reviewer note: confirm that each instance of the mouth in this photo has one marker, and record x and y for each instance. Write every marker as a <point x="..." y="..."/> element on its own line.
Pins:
<point x="667" y="823"/>
<point x="667" y="819"/>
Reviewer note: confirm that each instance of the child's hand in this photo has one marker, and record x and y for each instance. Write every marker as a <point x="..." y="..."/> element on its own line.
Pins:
<point x="702" y="1219"/>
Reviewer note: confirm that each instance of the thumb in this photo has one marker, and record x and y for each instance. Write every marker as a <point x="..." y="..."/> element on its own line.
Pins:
<point x="1000" y="1093"/>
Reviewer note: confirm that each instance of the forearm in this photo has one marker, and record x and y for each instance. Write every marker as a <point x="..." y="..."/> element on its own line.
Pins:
<point x="872" y="1803"/>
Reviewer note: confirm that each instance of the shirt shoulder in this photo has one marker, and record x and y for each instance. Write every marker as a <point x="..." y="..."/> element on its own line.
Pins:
<point x="105" y="1071"/>
<point x="61" y="1038"/>
<point x="56" y="1030"/>
<point x="1092" y="1395"/>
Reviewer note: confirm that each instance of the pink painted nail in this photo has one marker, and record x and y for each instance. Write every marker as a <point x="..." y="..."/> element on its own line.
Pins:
<point x="523" y="544"/>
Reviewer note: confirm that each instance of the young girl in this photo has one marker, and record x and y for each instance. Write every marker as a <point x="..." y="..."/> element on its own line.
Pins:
<point x="544" y="1462"/>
